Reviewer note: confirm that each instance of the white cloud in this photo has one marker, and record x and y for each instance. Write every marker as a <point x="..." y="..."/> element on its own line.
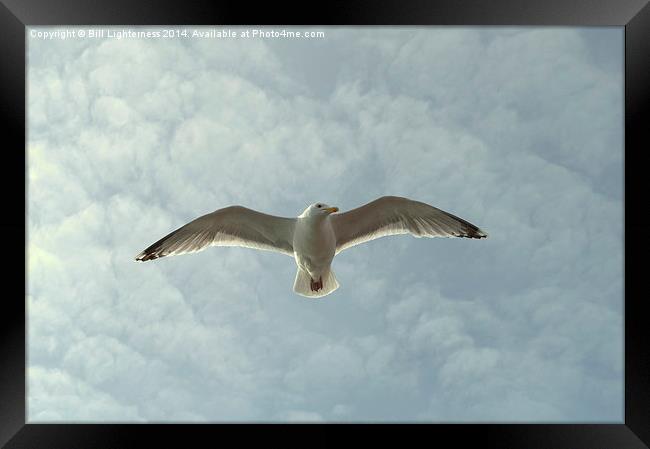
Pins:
<point x="302" y="416"/>
<point x="111" y="112"/>
<point x="517" y="130"/>
<point x="55" y="396"/>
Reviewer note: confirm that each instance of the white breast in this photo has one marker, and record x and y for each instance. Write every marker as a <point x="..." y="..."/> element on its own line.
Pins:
<point x="314" y="244"/>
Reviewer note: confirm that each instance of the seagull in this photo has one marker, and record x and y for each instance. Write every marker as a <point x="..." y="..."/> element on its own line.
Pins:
<point x="314" y="237"/>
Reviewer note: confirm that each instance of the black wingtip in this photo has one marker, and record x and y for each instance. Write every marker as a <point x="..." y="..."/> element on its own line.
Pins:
<point x="145" y="256"/>
<point x="475" y="233"/>
<point x="480" y="234"/>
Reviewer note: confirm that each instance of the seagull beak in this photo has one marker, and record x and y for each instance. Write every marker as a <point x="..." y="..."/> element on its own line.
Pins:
<point x="331" y="209"/>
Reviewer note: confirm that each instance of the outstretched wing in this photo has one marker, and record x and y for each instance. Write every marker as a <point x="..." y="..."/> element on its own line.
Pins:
<point x="231" y="226"/>
<point x="391" y="215"/>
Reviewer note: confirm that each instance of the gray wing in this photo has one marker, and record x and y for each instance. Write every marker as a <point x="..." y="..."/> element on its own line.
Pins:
<point x="231" y="226"/>
<point x="391" y="215"/>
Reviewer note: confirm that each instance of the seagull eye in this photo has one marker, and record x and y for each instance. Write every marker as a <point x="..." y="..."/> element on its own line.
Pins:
<point x="319" y="206"/>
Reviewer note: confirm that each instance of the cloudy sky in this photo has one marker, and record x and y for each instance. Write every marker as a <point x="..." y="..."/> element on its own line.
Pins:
<point x="518" y="130"/>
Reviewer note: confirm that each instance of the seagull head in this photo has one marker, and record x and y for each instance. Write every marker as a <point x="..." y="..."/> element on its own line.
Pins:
<point x="319" y="210"/>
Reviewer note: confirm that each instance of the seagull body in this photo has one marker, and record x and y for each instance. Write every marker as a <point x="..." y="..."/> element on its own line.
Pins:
<point x="314" y="244"/>
<point x="314" y="237"/>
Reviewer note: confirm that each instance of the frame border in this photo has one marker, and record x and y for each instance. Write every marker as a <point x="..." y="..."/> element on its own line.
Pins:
<point x="634" y="15"/>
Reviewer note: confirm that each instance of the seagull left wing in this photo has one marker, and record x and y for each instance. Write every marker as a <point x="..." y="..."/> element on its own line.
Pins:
<point x="230" y="226"/>
<point x="391" y="215"/>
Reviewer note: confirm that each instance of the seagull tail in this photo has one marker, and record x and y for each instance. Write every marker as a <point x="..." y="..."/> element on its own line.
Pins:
<point x="303" y="282"/>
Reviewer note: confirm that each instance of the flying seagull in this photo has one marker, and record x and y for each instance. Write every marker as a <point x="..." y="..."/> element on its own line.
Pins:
<point x="314" y="237"/>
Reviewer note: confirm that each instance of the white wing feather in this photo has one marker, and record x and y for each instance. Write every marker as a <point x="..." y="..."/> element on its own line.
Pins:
<point x="391" y="215"/>
<point x="231" y="226"/>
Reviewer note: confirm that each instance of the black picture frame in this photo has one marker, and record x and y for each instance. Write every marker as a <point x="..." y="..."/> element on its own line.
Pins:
<point x="16" y="15"/>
